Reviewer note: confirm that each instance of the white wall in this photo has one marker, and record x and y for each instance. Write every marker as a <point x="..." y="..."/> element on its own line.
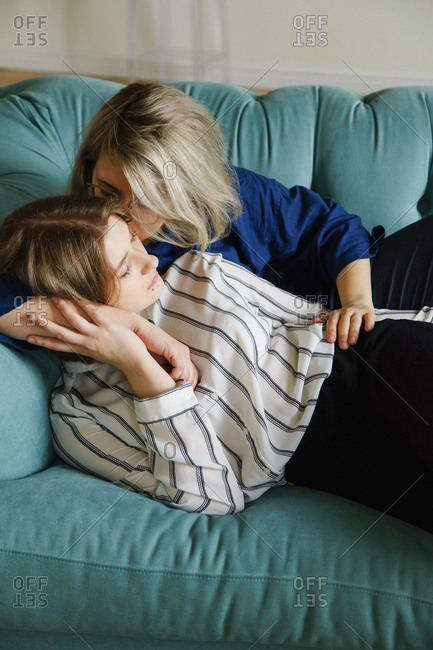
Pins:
<point x="364" y="45"/>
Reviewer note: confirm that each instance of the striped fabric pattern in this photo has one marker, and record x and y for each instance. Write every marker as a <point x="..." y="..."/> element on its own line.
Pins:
<point x="262" y="365"/>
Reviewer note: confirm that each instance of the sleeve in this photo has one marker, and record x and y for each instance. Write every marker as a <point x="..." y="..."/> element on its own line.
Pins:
<point x="332" y="236"/>
<point x="13" y="294"/>
<point x="178" y="460"/>
<point x="424" y="314"/>
<point x="281" y="223"/>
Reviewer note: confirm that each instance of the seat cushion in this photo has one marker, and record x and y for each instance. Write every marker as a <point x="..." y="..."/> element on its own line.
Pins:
<point x="298" y="567"/>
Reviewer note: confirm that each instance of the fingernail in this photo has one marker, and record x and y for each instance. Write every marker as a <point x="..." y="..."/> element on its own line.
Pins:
<point x="31" y="318"/>
<point x="31" y="339"/>
<point x="55" y="300"/>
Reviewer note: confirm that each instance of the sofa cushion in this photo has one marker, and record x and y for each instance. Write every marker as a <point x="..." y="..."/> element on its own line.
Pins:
<point x="298" y="567"/>
<point x="26" y="379"/>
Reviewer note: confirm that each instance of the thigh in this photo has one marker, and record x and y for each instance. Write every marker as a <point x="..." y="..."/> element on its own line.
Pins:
<point x="395" y="363"/>
<point x="331" y="446"/>
<point x="402" y="270"/>
<point x="351" y="448"/>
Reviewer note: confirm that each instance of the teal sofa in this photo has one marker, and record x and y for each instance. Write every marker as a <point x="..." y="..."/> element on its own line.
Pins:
<point x="85" y="563"/>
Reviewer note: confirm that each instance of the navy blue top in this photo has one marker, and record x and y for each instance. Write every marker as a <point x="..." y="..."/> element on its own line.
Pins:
<point x="291" y="237"/>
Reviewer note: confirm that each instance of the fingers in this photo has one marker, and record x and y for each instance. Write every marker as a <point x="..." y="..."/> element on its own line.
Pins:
<point x="194" y="376"/>
<point x="51" y="344"/>
<point x="91" y="309"/>
<point x="369" y="320"/>
<point x="189" y="373"/>
<point x="56" y="337"/>
<point x="347" y="323"/>
<point x="76" y="311"/>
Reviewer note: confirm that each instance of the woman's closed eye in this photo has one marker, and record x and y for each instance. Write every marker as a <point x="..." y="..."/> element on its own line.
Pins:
<point x="108" y="194"/>
<point x="102" y="191"/>
<point x="127" y="272"/>
<point x="129" y="268"/>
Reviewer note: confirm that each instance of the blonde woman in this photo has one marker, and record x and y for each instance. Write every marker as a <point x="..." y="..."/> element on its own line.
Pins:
<point x="162" y="153"/>
<point x="273" y="393"/>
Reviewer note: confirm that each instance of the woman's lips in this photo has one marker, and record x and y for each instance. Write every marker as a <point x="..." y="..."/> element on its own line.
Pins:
<point x="154" y="281"/>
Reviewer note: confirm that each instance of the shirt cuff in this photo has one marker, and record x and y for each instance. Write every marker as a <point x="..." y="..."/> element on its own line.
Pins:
<point x="166" y="405"/>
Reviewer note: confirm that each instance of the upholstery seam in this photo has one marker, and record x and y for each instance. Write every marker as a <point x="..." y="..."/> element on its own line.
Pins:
<point x="181" y="574"/>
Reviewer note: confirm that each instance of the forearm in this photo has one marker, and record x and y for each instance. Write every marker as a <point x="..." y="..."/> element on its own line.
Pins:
<point x="188" y="469"/>
<point x="354" y="284"/>
<point x="14" y="324"/>
<point x="146" y="377"/>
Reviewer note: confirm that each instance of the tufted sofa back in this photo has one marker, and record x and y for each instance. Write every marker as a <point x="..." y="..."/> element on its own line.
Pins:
<point x="373" y="154"/>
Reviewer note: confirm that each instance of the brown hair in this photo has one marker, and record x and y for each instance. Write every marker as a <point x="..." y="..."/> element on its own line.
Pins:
<point x="171" y="151"/>
<point x="55" y="246"/>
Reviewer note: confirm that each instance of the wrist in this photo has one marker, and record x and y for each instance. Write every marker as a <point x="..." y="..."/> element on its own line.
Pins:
<point x="364" y="303"/>
<point x="137" y="362"/>
<point x="146" y="377"/>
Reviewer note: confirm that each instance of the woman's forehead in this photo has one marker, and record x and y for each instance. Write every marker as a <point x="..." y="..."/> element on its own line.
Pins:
<point x="108" y="171"/>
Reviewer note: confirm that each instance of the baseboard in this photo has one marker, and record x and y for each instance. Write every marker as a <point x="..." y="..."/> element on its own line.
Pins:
<point x="271" y="76"/>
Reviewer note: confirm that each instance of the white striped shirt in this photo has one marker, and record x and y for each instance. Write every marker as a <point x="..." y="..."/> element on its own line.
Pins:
<point x="262" y="365"/>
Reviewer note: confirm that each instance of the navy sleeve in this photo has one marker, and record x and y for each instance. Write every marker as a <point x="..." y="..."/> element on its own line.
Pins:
<point x="293" y="237"/>
<point x="13" y="294"/>
<point x="318" y="234"/>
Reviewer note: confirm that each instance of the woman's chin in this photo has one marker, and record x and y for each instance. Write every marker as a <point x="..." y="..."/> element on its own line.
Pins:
<point x="153" y="294"/>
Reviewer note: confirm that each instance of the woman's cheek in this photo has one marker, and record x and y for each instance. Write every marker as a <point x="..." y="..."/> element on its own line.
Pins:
<point x="146" y="223"/>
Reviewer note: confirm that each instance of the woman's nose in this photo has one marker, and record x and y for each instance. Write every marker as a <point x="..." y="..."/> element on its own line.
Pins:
<point x="149" y="262"/>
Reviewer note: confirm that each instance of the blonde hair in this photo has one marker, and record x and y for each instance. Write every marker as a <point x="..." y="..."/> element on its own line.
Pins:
<point x="170" y="149"/>
<point x="56" y="247"/>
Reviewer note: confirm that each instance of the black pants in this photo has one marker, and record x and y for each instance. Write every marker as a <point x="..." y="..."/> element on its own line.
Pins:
<point x="371" y="435"/>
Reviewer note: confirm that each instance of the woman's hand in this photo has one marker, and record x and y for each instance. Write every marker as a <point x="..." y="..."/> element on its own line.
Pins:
<point x="93" y="334"/>
<point x="162" y="346"/>
<point x="172" y="355"/>
<point x="348" y="321"/>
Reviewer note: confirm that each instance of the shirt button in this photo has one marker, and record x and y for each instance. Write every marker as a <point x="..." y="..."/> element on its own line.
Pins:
<point x="245" y="430"/>
<point x="214" y="396"/>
